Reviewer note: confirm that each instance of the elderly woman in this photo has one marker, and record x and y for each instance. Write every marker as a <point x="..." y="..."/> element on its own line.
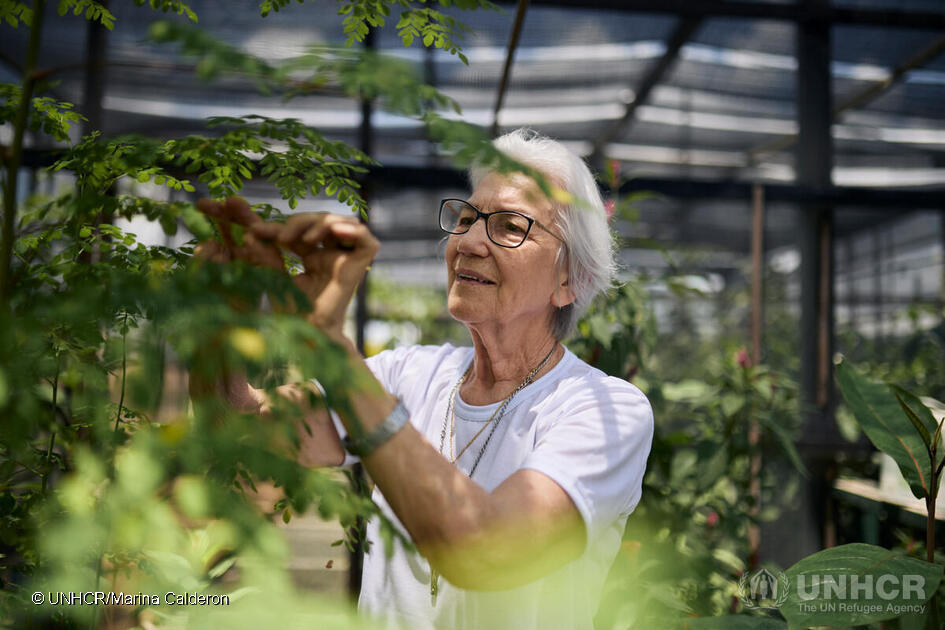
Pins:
<point x="511" y="464"/>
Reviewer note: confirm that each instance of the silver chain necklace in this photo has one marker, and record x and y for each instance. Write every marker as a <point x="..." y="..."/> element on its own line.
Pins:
<point x="494" y="420"/>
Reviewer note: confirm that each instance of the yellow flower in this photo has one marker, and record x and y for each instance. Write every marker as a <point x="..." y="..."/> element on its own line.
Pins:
<point x="248" y="342"/>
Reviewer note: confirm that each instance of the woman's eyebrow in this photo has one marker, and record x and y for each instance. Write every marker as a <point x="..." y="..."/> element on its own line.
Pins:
<point x="503" y="207"/>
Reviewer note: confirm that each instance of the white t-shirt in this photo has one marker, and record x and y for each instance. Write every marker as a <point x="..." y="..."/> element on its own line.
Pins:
<point x="589" y="432"/>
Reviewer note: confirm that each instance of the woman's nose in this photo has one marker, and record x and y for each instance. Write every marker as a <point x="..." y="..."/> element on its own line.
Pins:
<point x="475" y="240"/>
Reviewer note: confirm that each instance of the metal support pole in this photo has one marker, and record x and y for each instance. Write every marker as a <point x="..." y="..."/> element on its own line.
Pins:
<point x="814" y="159"/>
<point x="757" y="270"/>
<point x="941" y="236"/>
<point x="878" y="321"/>
<point x="757" y="322"/>
<point x="366" y="144"/>
<point x="96" y="54"/>
<point x="784" y="543"/>
<point x="852" y="294"/>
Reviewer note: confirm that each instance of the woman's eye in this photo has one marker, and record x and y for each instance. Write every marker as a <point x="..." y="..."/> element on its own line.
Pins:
<point x="513" y="227"/>
<point x="466" y="220"/>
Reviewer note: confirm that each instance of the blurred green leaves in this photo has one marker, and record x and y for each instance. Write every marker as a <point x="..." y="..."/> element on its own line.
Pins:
<point x="417" y="20"/>
<point x="46" y="115"/>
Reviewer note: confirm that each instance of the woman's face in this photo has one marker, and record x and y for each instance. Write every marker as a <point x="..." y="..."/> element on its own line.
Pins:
<point x="488" y="284"/>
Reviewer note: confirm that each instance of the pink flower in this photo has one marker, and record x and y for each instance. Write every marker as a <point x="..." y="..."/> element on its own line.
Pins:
<point x="712" y="519"/>
<point x="609" y="206"/>
<point x="741" y="357"/>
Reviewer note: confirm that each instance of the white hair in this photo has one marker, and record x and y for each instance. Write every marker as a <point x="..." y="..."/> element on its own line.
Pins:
<point x="583" y="223"/>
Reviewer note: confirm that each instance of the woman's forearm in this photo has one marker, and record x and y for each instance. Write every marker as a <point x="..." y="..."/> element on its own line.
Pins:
<point x="439" y="506"/>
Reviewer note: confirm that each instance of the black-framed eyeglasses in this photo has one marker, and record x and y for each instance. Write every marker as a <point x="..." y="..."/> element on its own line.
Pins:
<point x="505" y="228"/>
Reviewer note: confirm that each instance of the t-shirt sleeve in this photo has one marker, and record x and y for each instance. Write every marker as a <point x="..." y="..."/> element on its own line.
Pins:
<point x="381" y="365"/>
<point x="395" y="371"/>
<point x="596" y="450"/>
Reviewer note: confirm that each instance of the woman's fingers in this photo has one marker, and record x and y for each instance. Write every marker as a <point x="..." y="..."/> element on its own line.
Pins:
<point x="310" y="229"/>
<point x="260" y="253"/>
<point x="352" y="235"/>
<point x="235" y="215"/>
<point x="212" y="251"/>
<point x="208" y="206"/>
<point x="219" y="215"/>
<point x="238" y="210"/>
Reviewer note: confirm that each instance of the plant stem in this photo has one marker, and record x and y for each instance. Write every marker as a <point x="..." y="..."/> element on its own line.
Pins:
<point x="124" y="364"/>
<point x="930" y="528"/>
<point x="52" y="434"/>
<point x="98" y="581"/>
<point x="16" y="154"/>
<point x="930" y="542"/>
<point x="121" y="403"/>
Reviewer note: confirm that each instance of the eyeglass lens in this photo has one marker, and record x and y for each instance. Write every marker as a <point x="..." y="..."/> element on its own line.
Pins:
<point x="504" y="228"/>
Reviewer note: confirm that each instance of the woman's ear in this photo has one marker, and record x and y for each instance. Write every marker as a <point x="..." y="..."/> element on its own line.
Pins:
<point x="563" y="294"/>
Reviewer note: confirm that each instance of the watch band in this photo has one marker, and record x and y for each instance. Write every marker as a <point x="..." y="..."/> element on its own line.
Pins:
<point x="367" y="444"/>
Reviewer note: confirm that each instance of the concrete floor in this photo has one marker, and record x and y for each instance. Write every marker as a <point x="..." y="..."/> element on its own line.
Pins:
<point x="316" y="566"/>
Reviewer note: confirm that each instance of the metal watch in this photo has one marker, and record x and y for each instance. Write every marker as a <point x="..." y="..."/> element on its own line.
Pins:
<point x="367" y="444"/>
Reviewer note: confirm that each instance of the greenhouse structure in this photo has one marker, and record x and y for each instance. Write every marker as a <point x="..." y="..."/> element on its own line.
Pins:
<point x="774" y="176"/>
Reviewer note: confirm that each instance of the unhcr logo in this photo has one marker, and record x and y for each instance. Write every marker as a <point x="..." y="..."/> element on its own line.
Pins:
<point x="763" y="589"/>
<point x="829" y="593"/>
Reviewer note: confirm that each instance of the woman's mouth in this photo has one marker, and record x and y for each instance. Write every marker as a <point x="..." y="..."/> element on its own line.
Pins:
<point x="472" y="278"/>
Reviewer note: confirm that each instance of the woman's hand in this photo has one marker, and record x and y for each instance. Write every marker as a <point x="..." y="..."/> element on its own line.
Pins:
<point x="318" y="440"/>
<point x="235" y="211"/>
<point x="335" y="252"/>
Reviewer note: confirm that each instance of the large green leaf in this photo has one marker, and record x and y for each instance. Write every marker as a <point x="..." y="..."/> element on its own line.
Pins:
<point x="734" y="622"/>
<point x="886" y="425"/>
<point x="920" y="415"/>
<point x="857" y="584"/>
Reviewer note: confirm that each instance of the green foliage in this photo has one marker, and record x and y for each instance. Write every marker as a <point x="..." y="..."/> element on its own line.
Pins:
<point x="687" y="540"/>
<point x="105" y="479"/>
<point x="47" y="115"/>
<point x="913" y="360"/>
<point x="811" y="603"/>
<point x="415" y="316"/>
<point x="393" y="84"/>
<point x="172" y="6"/>
<point x="215" y="57"/>
<point x="879" y="411"/>
<point x="417" y="20"/>
<point x="13" y="12"/>
<point x="734" y="622"/>
<point x="303" y="163"/>
<point x="618" y="332"/>
<point x="92" y="10"/>
<point x="355" y="73"/>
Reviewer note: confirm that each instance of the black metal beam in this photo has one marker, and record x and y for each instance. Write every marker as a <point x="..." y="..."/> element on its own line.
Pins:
<point x="507" y="67"/>
<point x="862" y="98"/>
<point x="886" y="18"/>
<point x="680" y="35"/>
<point x="432" y="177"/>
<point x="900" y="200"/>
